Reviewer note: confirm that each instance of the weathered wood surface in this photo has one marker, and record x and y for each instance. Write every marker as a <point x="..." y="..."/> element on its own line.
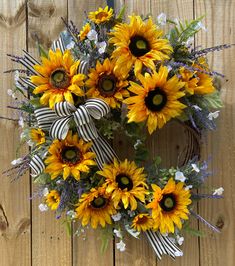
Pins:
<point x="28" y="237"/>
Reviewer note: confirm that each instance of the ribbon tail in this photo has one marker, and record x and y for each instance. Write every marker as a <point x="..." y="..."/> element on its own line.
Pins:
<point x="37" y="165"/>
<point x="45" y="117"/>
<point x="60" y="127"/>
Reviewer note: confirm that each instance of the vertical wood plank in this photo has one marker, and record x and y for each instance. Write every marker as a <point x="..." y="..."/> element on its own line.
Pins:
<point x="14" y="197"/>
<point x="51" y="244"/>
<point x="218" y="249"/>
<point x="87" y="251"/>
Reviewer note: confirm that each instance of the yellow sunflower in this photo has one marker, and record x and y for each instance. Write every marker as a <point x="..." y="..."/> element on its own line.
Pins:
<point x="107" y="84"/>
<point x="53" y="199"/>
<point x="142" y="222"/>
<point x="37" y="136"/>
<point x="138" y="43"/>
<point x="126" y="182"/>
<point x="156" y="100"/>
<point x="169" y="206"/>
<point x="83" y="33"/>
<point x="69" y="157"/>
<point x="101" y="15"/>
<point x="95" y="207"/>
<point x="57" y="80"/>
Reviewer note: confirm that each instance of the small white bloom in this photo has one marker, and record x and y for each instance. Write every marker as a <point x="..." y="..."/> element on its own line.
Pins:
<point x="200" y="25"/>
<point x="59" y="182"/>
<point x="72" y="214"/>
<point x="117" y="233"/>
<point x="70" y="45"/>
<point x="17" y="76"/>
<point x="169" y="68"/>
<point x="117" y="217"/>
<point x="9" y="92"/>
<point x="219" y="191"/>
<point x="161" y="19"/>
<point x="213" y="115"/>
<point x="101" y="47"/>
<point x="195" y="167"/>
<point x="30" y="143"/>
<point x="121" y="246"/>
<point x="180" y="176"/>
<point x="179" y="253"/>
<point x="132" y="231"/>
<point x="45" y="192"/>
<point x="196" y="107"/>
<point x="21" y="122"/>
<point x="43" y="207"/>
<point x="92" y="35"/>
<point x="138" y="142"/>
<point x="189" y="41"/>
<point x="180" y="240"/>
<point x="131" y="213"/>
<point x="17" y="161"/>
<point x="188" y="187"/>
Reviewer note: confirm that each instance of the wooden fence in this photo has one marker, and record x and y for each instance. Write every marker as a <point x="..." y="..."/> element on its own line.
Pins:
<point x="29" y="237"/>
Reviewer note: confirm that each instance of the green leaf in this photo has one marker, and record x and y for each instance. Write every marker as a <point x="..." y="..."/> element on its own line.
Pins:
<point x="121" y="13"/>
<point x="212" y="101"/>
<point x="42" y="51"/>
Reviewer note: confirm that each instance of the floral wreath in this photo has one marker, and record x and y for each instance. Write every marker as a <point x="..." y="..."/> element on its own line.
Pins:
<point x="114" y="76"/>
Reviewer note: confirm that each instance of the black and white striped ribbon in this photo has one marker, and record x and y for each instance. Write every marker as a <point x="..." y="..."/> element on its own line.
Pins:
<point x="58" y="44"/>
<point x="83" y="67"/>
<point x="37" y="165"/>
<point x="162" y="244"/>
<point x="29" y="62"/>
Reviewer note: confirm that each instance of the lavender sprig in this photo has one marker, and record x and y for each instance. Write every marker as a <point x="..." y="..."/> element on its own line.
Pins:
<point x="211" y="49"/>
<point x="205" y="196"/>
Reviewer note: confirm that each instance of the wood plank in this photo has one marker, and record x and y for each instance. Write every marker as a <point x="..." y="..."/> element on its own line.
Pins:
<point x="92" y="242"/>
<point x="218" y="249"/>
<point x="51" y="244"/>
<point x="14" y="196"/>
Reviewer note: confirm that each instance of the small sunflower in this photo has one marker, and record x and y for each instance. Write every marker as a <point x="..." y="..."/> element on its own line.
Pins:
<point x="169" y="206"/>
<point x="142" y="222"/>
<point x="138" y="43"/>
<point x="101" y="15"/>
<point x="126" y="182"/>
<point x="37" y="136"/>
<point x="69" y="157"/>
<point x="107" y="84"/>
<point x="83" y="33"/>
<point x="95" y="207"/>
<point x="53" y="199"/>
<point x="57" y="80"/>
<point x="156" y="100"/>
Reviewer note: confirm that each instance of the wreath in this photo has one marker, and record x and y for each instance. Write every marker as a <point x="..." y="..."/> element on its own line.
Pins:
<point x="114" y="76"/>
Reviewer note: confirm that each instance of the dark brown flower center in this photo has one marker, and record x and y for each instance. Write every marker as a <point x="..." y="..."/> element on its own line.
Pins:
<point x="124" y="181"/>
<point x="142" y="220"/>
<point x="71" y="155"/>
<point x="99" y="202"/>
<point x="101" y="15"/>
<point x="168" y="202"/>
<point x="107" y="85"/>
<point x="139" y="46"/>
<point x="59" y="78"/>
<point x="156" y="100"/>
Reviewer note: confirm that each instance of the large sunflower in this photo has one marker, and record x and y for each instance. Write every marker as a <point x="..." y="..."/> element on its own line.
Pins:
<point x="69" y="157"/>
<point x="96" y="207"/>
<point x="53" y="199"/>
<point x="142" y="222"/>
<point x="57" y="79"/>
<point x="156" y="100"/>
<point x="107" y="84"/>
<point x="101" y="15"/>
<point x="126" y="182"/>
<point x="138" y="43"/>
<point x="169" y="206"/>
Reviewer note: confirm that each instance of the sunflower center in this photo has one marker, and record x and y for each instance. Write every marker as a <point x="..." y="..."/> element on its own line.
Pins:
<point x="168" y="202"/>
<point x="142" y="220"/>
<point x="107" y="85"/>
<point x="59" y="78"/>
<point x="99" y="202"/>
<point x="139" y="46"/>
<point x="156" y="100"/>
<point x="71" y="155"/>
<point x="124" y="181"/>
<point x="101" y="15"/>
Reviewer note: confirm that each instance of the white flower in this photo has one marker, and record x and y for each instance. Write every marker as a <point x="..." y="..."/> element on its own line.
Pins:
<point x="17" y="161"/>
<point x="21" y="122"/>
<point x="213" y="115"/>
<point x="188" y="187"/>
<point x="121" y="246"/>
<point x="219" y="191"/>
<point x="117" y="233"/>
<point x="92" y="35"/>
<point x="180" y="240"/>
<point x="72" y="214"/>
<point x="196" y="107"/>
<point x="169" y="68"/>
<point x="179" y="253"/>
<point x="43" y="207"/>
<point x="117" y="217"/>
<point x="30" y="143"/>
<point x="161" y="19"/>
<point x="200" y="26"/>
<point x="189" y="41"/>
<point x="195" y="167"/>
<point x="132" y="231"/>
<point x="131" y="213"/>
<point x="180" y="176"/>
<point x="45" y="192"/>
<point x="9" y="92"/>
<point x="70" y="45"/>
<point x="138" y="142"/>
<point x="101" y="47"/>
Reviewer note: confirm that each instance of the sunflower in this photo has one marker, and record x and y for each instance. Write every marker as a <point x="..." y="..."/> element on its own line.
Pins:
<point x="83" y="33"/>
<point x="138" y="43"/>
<point x="169" y="206"/>
<point x="53" y="199"/>
<point x="107" y="84"/>
<point x="96" y="207"/>
<point x="142" y="222"/>
<point x="69" y="157"/>
<point x="57" y="79"/>
<point x="126" y="182"/>
<point x="101" y="15"/>
<point x="156" y="100"/>
<point x="37" y="136"/>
